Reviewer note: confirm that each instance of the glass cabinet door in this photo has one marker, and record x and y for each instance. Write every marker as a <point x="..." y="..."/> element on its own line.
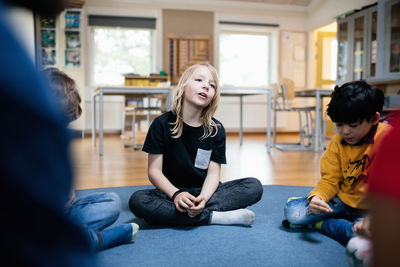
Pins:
<point x="48" y="41"/>
<point x="72" y="36"/>
<point x="358" y="49"/>
<point x="395" y="38"/>
<point x="373" y="29"/>
<point x="343" y="44"/>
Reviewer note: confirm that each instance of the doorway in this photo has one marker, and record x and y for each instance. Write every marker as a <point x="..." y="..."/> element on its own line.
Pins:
<point x="326" y="59"/>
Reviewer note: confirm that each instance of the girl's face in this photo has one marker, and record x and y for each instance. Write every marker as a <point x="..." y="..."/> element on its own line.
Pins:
<point x="200" y="88"/>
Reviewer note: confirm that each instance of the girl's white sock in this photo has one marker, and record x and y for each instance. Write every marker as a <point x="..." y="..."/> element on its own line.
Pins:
<point x="241" y="216"/>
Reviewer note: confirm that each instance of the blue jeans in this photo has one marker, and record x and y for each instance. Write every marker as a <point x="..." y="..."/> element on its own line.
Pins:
<point x="96" y="212"/>
<point x="337" y="224"/>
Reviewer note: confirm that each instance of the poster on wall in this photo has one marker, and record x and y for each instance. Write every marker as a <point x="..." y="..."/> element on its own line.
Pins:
<point x="45" y="41"/>
<point x="72" y="40"/>
<point x="72" y="58"/>
<point x="293" y="60"/>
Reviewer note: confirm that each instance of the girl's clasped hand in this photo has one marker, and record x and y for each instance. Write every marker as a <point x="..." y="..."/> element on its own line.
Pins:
<point x="186" y="202"/>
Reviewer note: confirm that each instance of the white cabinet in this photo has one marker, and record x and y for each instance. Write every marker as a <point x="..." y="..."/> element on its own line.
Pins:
<point x="46" y="41"/>
<point x="72" y="38"/>
<point x="369" y="44"/>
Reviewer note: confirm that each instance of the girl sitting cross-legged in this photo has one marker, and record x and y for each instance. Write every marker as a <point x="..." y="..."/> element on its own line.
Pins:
<point x="186" y="147"/>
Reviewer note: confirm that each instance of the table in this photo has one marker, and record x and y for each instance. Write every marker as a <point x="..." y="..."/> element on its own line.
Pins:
<point x="147" y="91"/>
<point x="247" y="91"/>
<point x="319" y="94"/>
<point x="123" y="91"/>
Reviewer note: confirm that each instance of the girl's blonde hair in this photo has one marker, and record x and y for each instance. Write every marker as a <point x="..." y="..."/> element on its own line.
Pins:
<point x="206" y="114"/>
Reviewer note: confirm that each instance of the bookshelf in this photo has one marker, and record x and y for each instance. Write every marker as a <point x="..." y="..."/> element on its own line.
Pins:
<point x="72" y="34"/>
<point x="185" y="51"/>
<point x="47" y="43"/>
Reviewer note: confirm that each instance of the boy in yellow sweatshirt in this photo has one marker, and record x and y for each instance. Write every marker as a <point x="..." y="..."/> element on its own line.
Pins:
<point x="338" y="200"/>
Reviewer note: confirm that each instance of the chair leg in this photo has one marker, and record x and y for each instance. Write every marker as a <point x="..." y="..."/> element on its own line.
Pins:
<point x="323" y="138"/>
<point x="123" y="127"/>
<point x="301" y="129"/>
<point x="133" y="128"/>
<point x="309" y="127"/>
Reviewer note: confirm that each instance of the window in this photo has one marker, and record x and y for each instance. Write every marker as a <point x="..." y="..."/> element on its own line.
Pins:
<point x="121" y="50"/>
<point x="244" y="58"/>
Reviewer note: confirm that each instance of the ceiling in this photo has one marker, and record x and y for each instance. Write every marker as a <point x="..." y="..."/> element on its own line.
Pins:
<point x="300" y="3"/>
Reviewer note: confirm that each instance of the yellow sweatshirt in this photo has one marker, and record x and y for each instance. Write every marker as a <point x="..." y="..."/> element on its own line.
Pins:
<point x="344" y="170"/>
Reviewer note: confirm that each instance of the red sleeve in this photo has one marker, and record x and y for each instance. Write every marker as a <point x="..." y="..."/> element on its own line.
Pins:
<point x="384" y="175"/>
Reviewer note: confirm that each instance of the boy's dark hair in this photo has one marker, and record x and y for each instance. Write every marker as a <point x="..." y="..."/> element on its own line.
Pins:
<point x="354" y="102"/>
<point x="65" y="89"/>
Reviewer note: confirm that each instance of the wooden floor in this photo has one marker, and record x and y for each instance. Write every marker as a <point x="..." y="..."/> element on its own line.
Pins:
<point x="125" y="167"/>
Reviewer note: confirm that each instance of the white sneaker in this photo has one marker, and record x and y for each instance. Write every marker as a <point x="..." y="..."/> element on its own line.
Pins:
<point x="135" y="229"/>
<point x="359" y="251"/>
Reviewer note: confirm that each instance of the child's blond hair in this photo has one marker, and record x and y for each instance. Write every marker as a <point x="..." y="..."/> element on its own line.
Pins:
<point x="206" y="114"/>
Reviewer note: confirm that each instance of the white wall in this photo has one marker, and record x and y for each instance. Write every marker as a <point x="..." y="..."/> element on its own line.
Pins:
<point x="323" y="12"/>
<point x="255" y="109"/>
<point x="22" y="23"/>
<point x="319" y="13"/>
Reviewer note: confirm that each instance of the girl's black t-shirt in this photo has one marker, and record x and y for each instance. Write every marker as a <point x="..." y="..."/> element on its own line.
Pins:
<point x="185" y="159"/>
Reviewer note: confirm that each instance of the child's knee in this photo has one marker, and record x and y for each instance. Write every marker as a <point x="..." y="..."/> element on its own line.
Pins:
<point x="256" y="188"/>
<point x="135" y="202"/>
<point x="114" y="202"/>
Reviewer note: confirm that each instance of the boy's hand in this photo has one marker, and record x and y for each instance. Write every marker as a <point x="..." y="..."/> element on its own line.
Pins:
<point x="362" y="227"/>
<point x="198" y="208"/>
<point x="184" y="201"/>
<point x="318" y="206"/>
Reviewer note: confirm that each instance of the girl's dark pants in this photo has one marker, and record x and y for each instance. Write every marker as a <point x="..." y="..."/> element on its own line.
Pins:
<point x="157" y="208"/>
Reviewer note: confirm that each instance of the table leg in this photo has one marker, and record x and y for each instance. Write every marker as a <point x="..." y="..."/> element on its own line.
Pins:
<point x="94" y="120"/>
<point x="241" y="120"/>
<point x="148" y="112"/>
<point x="169" y="99"/>
<point x="317" y="121"/>
<point x="323" y="125"/>
<point x="101" y="122"/>
<point x="269" y="122"/>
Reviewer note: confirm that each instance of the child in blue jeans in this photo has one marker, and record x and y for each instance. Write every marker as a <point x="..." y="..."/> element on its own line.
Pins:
<point x="98" y="210"/>
<point x="338" y="200"/>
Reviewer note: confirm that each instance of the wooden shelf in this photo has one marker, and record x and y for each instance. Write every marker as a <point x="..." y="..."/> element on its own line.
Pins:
<point x="137" y="80"/>
<point x="185" y="51"/>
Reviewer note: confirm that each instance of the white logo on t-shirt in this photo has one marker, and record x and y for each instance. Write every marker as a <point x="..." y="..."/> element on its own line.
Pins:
<point x="202" y="159"/>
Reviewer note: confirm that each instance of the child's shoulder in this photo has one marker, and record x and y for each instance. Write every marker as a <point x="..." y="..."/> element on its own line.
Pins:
<point x="337" y="138"/>
<point x="384" y="127"/>
<point x="218" y="122"/>
<point x="382" y="130"/>
<point x="165" y="117"/>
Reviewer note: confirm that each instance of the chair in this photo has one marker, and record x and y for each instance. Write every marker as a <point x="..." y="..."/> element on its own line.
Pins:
<point x="138" y="113"/>
<point x="284" y="96"/>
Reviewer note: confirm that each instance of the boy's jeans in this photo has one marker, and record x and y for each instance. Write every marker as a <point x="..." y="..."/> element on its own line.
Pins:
<point x="337" y="224"/>
<point x="96" y="212"/>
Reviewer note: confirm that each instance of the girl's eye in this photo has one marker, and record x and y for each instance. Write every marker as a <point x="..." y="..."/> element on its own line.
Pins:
<point x="197" y="80"/>
<point x="353" y="125"/>
<point x="212" y="85"/>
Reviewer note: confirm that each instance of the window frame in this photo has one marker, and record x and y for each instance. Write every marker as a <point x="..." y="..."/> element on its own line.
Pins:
<point x="271" y="32"/>
<point x="92" y="46"/>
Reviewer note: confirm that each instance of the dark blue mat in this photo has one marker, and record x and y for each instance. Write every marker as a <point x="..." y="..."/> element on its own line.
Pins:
<point x="265" y="243"/>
